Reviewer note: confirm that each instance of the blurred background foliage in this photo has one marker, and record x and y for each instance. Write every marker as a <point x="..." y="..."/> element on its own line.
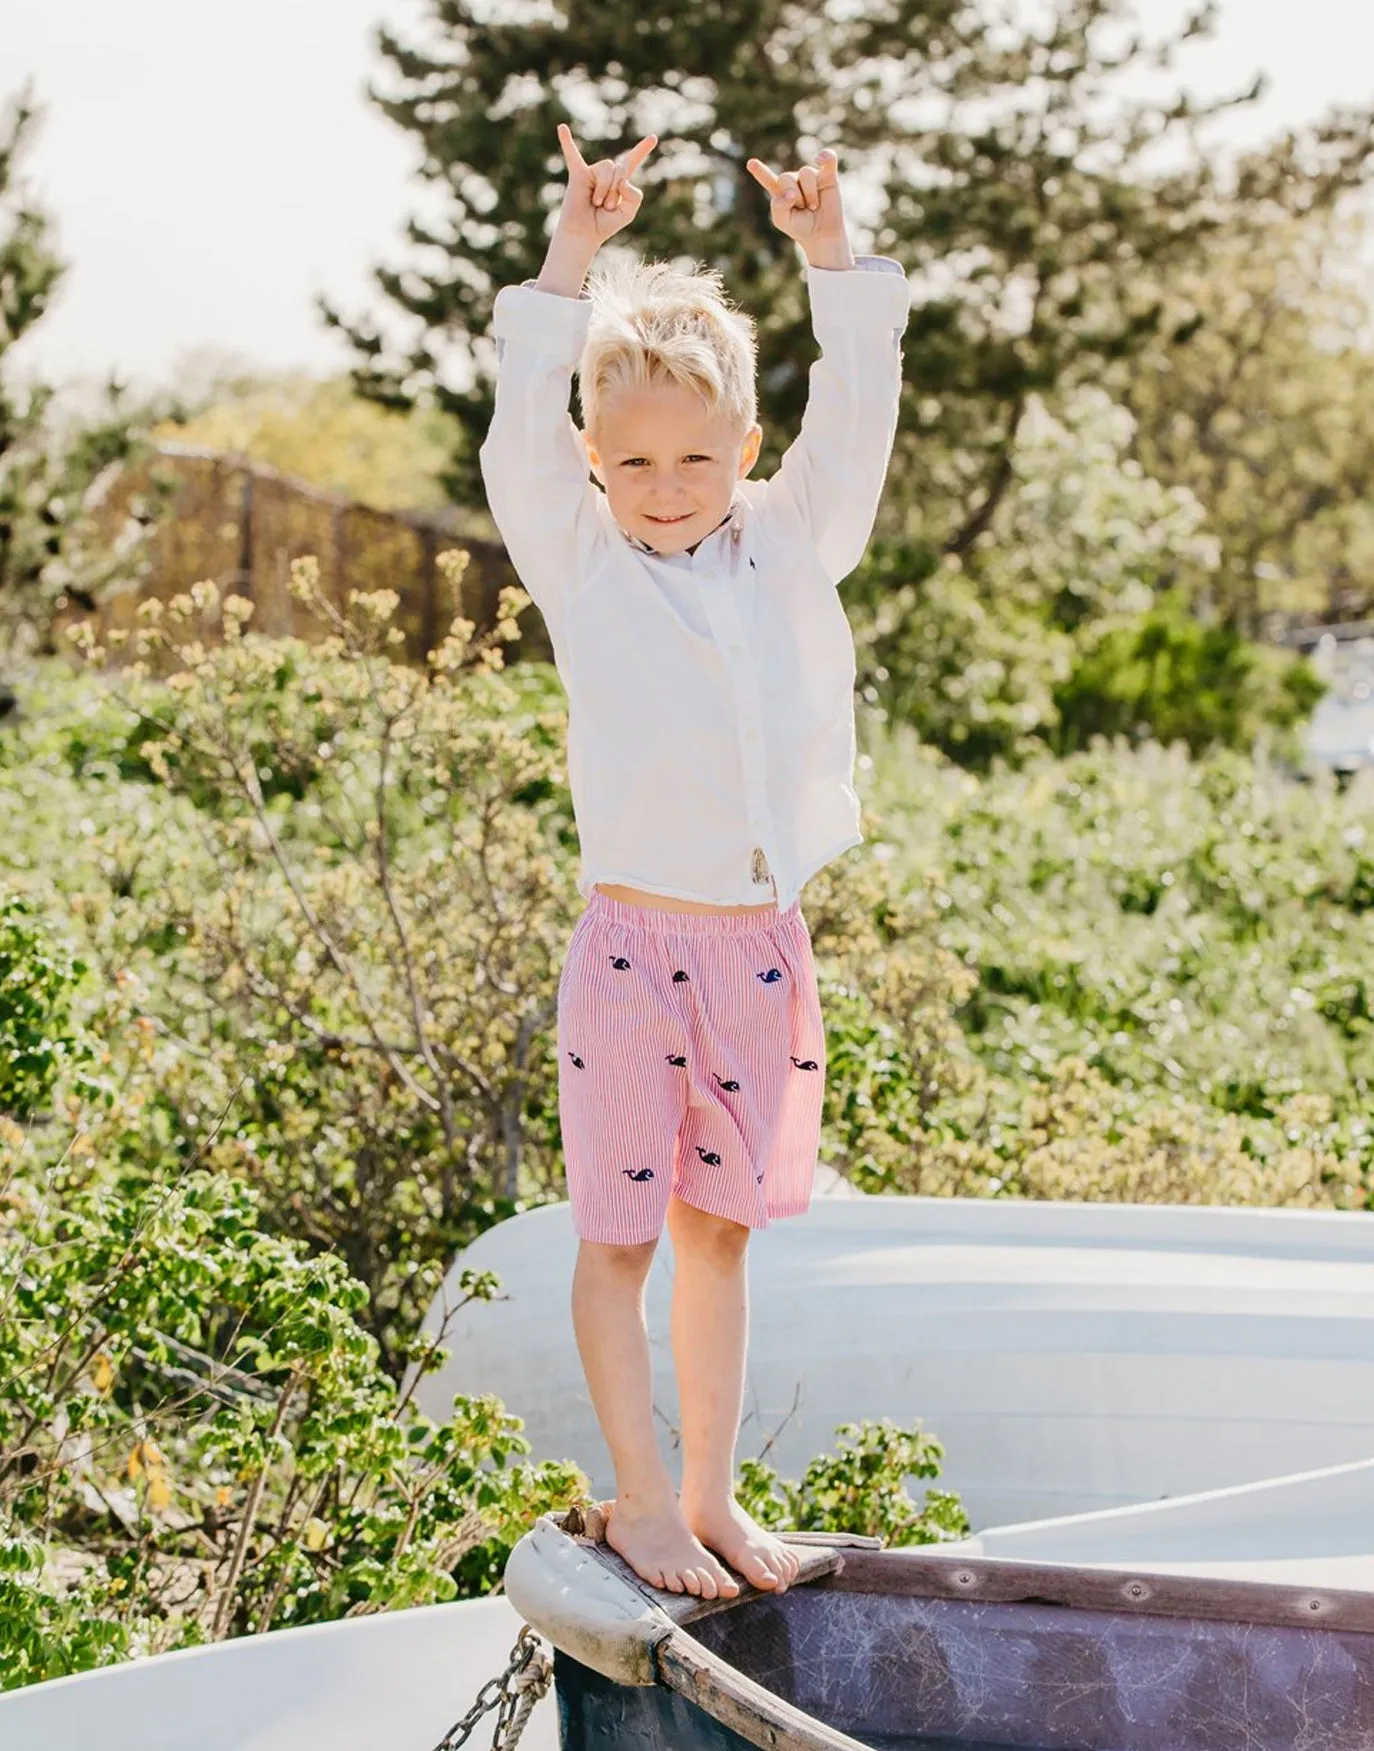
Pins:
<point x="281" y="921"/>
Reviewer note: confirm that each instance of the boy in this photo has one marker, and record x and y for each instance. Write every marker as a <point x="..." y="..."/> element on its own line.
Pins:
<point x="709" y="670"/>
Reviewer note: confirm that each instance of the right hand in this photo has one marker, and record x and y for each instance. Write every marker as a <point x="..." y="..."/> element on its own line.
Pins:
<point x="600" y="199"/>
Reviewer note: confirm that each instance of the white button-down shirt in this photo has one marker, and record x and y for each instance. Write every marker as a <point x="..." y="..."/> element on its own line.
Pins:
<point x="710" y="694"/>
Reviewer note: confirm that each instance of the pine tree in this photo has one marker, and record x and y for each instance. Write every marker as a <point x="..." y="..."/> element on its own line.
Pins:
<point x="1017" y="198"/>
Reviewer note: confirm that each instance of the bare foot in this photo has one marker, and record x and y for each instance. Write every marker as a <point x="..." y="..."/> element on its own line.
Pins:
<point x="763" y="1560"/>
<point x="661" y="1550"/>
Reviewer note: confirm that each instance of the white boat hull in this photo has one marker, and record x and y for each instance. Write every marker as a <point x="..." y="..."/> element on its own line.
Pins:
<point x="1071" y="1357"/>
<point x="1315" y="1529"/>
<point x="395" y="1682"/>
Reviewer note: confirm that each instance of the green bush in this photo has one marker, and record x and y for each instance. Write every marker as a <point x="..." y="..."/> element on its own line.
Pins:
<point x="197" y="1439"/>
<point x="1168" y="677"/>
<point x="861" y="1487"/>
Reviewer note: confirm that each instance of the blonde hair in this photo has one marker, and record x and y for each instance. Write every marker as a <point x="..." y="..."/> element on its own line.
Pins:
<point x="654" y="322"/>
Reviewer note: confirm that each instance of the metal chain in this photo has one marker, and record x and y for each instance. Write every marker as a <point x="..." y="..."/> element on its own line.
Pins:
<point x="513" y="1696"/>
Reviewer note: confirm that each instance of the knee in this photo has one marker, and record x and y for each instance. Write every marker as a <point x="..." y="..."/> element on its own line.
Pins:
<point x="715" y="1240"/>
<point x="619" y="1264"/>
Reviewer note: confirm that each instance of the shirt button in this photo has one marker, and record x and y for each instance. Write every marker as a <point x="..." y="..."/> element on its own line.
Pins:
<point x="736" y="650"/>
<point x="751" y="734"/>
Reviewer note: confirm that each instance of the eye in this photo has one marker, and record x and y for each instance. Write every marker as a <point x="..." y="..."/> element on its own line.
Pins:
<point x="697" y="459"/>
<point x="634" y="461"/>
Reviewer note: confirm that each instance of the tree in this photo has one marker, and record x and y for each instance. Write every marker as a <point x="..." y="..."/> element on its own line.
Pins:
<point x="320" y="430"/>
<point x="49" y="554"/>
<point x="1267" y="416"/>
<point x="1017" y="199"/>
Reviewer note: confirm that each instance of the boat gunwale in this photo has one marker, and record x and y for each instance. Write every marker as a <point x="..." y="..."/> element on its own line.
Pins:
<point x="1136" y="1592"/>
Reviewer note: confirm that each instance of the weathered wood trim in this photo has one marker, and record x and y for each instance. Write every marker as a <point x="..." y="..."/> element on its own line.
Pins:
<point x="922" y="1574"/>
<point x="737" y="1702"/>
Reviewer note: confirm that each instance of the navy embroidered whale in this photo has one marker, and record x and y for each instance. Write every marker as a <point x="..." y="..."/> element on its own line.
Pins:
<point x="771" y="977"/>
<point x="620" y="964"/>
<point x="576" y="1060"/>
<point x="642" y="1173"/>
<point x="730" y="1085"/>
<point x="805" y="1063"/>
<point x="709" y="1156"/>
<point x="677" y="1058"/>
<point x="679" y="976"/>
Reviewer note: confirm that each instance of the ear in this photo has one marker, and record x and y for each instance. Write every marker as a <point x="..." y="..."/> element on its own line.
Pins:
<point x="749" y="454"/>
<point x="593" y="457"/>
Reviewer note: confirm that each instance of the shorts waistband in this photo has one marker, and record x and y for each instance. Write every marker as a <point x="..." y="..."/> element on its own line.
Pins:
<point x="661" y="921"/>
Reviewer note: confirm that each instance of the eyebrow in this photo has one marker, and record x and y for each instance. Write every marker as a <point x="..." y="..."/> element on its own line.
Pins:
<point x="688" y="450"/>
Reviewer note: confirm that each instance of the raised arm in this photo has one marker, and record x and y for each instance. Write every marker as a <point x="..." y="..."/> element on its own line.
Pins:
<point x="832" y="475"/>
<point x="533" y="462"/>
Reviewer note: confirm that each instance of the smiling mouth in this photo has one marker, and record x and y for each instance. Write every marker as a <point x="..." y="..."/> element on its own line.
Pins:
<point x="682" y="519"/>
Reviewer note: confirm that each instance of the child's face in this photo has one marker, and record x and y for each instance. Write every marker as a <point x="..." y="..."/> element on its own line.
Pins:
<point x="669" y="467"/>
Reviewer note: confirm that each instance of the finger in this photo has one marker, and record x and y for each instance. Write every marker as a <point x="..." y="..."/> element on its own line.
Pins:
<point x="603" y="173"/>
<point x="616" y="190"/>
<point x="806" y="182"/>
<point x="789" y="190"/>
<point x="827" y="168"/>
<point x="762" y="175"/>
<point x="572" y="156"/>
<point x="637" y="154"/>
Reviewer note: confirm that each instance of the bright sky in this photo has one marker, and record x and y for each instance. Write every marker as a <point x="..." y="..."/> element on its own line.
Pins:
<point x="212" y="169"/>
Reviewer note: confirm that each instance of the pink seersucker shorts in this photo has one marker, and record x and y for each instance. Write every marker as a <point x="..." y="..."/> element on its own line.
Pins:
<point x="691" y="1059"/>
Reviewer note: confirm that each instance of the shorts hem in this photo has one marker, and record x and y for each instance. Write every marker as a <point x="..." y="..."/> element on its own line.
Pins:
<point x="598" y="1239"/>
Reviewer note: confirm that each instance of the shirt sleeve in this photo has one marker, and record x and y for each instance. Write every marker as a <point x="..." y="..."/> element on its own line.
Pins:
<point x="534" y="466"/>
<point x="832" y="475"/>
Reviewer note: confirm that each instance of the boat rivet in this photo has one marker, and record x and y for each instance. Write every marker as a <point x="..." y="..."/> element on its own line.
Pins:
<point x="964" y="1578"/>
<point x="1314" y="1604"/>
<point x="1136" y="1590"/>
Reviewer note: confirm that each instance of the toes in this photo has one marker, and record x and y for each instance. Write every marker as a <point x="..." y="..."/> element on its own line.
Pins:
<point x="727" y="1587"/>
<point x="705" y="1587"/>
<point x="757" y="1570"/>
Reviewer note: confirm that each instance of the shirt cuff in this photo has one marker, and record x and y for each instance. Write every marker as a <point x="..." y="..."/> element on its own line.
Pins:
<point x="873" y="293"/>
<point x="545" y="323"/>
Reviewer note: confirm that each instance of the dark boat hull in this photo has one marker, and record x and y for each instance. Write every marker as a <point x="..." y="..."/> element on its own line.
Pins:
<point x="908" y="1649"/>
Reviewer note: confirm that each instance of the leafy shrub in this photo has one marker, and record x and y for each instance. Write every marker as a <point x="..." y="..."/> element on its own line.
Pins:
<point x="861" y="1487"/>
<point x="1167" y="676"/>
<point x="196" y="1437"/>
<point x="355" y="924"/>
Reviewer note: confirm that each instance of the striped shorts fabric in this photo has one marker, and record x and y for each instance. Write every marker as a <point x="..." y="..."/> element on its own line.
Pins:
<point x="691" y="1060"/>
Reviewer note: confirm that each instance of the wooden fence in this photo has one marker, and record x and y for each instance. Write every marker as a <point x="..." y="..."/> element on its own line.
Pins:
<point x="241" y="524"/>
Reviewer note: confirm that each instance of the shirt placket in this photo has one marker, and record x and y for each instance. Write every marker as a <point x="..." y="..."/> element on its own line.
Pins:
<point x="722" y="612"/>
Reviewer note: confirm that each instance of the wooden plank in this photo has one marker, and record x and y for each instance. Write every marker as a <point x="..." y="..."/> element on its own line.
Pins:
<point x="1129" y="1592"/>
<point x="737" y="1702"/>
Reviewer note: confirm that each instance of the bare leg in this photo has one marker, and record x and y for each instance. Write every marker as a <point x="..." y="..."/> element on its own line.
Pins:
<point x="710" y="1323"/>
<point x="646" y="1524"/>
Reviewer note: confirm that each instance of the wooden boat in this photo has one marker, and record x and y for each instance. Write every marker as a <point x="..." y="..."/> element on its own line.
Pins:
<point x="908" y="1648"/>
<point x="1070" y="1357"/>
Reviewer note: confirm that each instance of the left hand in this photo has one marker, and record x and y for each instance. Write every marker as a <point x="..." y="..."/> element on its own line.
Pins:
<point x="805" y="204"/>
